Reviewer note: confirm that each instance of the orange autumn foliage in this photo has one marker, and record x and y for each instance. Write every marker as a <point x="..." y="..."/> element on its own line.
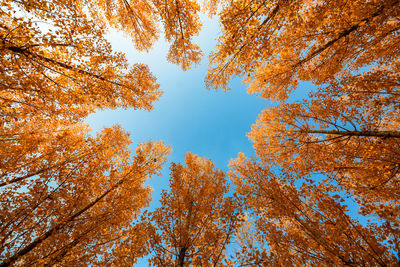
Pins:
<point x="322" y="191"/>
<point x="63" y="67"/>
<point x="339" y="147"/>
<point x="65" y="195"/>
<point x="196" y="221"/>
<point x="276" y="44"/>
<point x="67" y="203"/>
<point x="307" y="225"/>
<point x="141" y="20"/>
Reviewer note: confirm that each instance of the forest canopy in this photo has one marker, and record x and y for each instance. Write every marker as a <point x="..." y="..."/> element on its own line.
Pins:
<point x="69" y="197"/>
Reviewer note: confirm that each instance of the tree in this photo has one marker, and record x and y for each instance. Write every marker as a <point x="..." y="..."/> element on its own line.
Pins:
<point x="196" y="221"/>
<point x="140" y="19"/>
<point x="308" y="224"/>
<point x="57" y="63"/>
<point x="70" y="203"/>
<point x="276" y="44"/>
<point x="65" y="197"/>
<point x="349" y="144"/>
<point x="352" y="144"/>
<point x="342" y="142"/>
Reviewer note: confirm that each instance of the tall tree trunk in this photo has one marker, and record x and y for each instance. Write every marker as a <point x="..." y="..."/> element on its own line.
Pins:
<point x="181" y="258"/>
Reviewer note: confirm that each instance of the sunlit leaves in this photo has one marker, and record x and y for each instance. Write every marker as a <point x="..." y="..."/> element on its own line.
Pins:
<point x="196" y="221"/>
<point x="323" y="189"/>
<point x="69" y="201"/>
<point x="65" y="196"/>
<point x="140" y="20"/>
<point x="338" y="147"/>
<point x="277" y="43"/>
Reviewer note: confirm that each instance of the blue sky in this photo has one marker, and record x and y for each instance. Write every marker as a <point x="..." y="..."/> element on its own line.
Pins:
<point x="188" y="116"/>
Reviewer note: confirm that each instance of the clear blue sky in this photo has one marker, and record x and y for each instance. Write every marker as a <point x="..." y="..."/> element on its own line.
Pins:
<point x="188" y="116"/>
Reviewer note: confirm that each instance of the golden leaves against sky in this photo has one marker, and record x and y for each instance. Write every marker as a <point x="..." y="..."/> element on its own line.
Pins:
<point x="322" y="189"/>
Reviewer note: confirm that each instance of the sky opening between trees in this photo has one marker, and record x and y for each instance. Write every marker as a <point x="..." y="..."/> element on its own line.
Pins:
<point x="321" y="186"/>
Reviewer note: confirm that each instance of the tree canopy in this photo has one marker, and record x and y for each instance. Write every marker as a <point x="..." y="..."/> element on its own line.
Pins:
<point x="321" y="190"/>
